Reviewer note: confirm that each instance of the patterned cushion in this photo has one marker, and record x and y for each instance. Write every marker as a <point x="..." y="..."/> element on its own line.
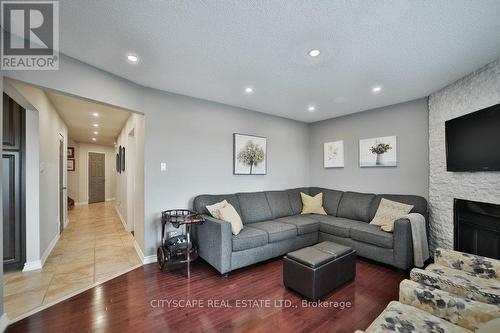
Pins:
<point x="458" y="310"/>
<point x="483" y="267"/>
<point x="398" y="317"/>
<point x="462" y="283"/>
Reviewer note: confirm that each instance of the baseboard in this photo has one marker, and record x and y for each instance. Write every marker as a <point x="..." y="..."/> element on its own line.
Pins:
<point x="32" y="265"/>
<point x="145" y="259"/>
<point x="81" y="203"/>
<point x="121" y="218"/>
<point x="4" y="322"/>
<point x="49" y="249"/>
<point x="110" y="199"/>
<point x="150" y="259"/>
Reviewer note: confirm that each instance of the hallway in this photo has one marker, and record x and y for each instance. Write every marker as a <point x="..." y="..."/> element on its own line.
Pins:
<point x="93" y="247"/>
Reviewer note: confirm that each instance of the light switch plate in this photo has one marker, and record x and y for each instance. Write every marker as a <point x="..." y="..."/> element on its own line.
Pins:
<point x="163" y="166"/>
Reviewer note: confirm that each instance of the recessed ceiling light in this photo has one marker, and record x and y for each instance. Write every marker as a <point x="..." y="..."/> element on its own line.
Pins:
<point x="94" y="139"/>
<point x="249" y="90"/>
<point x="133" y="58"/>
<point x="314" y="53"/>
<point x="95" y="125"/>
<point x="311" y="108"/>
<point x="95" y="114"/>
<point x="95" y="133"/>
<point x="376" y="89"/>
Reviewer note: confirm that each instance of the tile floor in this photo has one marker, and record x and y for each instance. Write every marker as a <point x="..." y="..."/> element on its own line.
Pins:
<point x="94" y="246"/>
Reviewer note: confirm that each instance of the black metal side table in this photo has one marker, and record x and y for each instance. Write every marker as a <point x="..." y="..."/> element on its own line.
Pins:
<point x="179" y="249"/>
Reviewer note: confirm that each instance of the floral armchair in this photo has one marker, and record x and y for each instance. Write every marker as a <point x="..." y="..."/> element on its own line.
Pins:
<point x="460" y="292"/>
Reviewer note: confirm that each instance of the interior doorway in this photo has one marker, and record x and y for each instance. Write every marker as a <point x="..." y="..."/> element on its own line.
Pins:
<point x="97" y="177"/>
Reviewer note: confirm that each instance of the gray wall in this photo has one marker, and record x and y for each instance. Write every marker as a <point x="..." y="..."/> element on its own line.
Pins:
<point x="195" y="138"/>
<point x="408" y="121"/>
<point x="474" y="92"/>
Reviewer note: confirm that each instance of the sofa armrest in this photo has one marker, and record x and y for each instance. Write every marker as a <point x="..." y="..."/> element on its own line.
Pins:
<point x="481" y="266"/>
<point x="403" y="244"/>
<point x="460" y="311"/>
<point x="215" y="243"/>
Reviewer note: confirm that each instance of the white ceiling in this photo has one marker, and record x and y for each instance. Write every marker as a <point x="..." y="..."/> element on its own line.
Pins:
<point x="77" y="114"/>
<point x="213" y="49"/>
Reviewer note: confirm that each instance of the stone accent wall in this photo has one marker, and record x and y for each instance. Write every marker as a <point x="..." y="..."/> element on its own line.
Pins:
<point x="474" y="92"/>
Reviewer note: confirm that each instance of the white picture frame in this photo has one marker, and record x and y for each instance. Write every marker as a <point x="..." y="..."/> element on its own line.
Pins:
<point x="388" y="148"/>
<point x="241" y="143"/>
<point x="333" y="154"/>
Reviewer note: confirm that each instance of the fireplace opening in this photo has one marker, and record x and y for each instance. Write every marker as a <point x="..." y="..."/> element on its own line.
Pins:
<point x="477" y="228"/>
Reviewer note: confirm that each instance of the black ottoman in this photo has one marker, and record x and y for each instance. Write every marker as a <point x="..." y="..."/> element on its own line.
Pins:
<point x="316" y="270"/>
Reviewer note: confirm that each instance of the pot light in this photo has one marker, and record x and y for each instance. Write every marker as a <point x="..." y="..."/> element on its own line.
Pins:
<point x="314" y="53"/>
<point x="95" y="114"/>
<point x="94" y="139"/>
<point x="95" y="133"/>
<point x="249" y="90"/>
<point x="95" y="125"/>
<point x="132" y="58"/>
<point x="376" y="89"/>
<point x="311" y="108"/>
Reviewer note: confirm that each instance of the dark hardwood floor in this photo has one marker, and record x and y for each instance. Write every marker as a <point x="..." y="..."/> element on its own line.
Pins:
<point x="130" y="303"/>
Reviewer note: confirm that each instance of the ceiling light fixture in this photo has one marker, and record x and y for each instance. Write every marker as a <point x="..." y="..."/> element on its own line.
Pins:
<point x="311" y="108"/>
<point x="249" y="90"/>
<point x="314" y="53"/>
<point x="95" y="125"/>
<point x="94" y="139"/>
<point x="376" y="89"/>
<point x="95" y="114"/>
<point x="133" y="58"/>
<point x="95" y="133"/>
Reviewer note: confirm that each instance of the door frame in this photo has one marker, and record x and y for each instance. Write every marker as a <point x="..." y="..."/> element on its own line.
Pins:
<point x="61" y="181"/>
<point x="131" y="169"/>
<point x="88" y="173"/>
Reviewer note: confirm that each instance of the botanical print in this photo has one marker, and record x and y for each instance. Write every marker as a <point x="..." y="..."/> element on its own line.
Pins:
<point x="378" y="152"/>
<point x="250" y="154"/>
<point x="333" y="154"/>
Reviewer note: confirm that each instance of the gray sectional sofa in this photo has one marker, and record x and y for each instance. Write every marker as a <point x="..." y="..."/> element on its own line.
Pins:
<point x="274" y="226"/>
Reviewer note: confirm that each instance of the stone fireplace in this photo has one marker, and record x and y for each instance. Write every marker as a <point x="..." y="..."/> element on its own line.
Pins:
<point x="474" y="92"/>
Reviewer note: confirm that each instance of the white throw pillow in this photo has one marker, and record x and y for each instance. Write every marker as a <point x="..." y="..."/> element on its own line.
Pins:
<point x="389" y="211"/>
<point x="229" y="214"/>
<point x="213" y="209"/>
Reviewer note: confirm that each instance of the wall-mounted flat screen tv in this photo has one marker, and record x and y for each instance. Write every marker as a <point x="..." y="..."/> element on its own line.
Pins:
<point x="473" y="141"/>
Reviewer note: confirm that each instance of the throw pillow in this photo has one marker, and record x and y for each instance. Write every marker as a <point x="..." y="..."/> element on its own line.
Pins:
<point x="213" y="209"/>
<point x="389" y="211"/>
<point x="312" y="205"/>
<point x="229" y="214"/>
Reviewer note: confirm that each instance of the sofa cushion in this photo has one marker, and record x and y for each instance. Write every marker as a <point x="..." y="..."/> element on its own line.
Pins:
<point x="249" y="238"/>
<point x="295" y="199"/>
<point x="371" y="234"/>
<point x="331" y="199"/>
<point x="279" y="203"/>
<point x="312" y="205"/>
<point x="201" y="202"/>
<point x="356" y="206"/>
<point x="304" y="224"/>
<point x="419" y="203"/>
<point x="338" y="226"/>
<point x="254" y="207"/>
<point x="277" y="231"/>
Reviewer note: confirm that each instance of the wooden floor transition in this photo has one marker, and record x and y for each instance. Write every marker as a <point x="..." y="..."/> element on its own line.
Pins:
<point x="252" y="299"/>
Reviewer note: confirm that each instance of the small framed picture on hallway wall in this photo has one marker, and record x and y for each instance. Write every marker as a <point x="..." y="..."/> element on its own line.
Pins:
<point x="71" y="165"/>
<point x="71" y="152"/>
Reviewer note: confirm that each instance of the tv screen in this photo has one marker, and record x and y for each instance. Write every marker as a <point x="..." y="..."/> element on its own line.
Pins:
<point x="473" y="141"/>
